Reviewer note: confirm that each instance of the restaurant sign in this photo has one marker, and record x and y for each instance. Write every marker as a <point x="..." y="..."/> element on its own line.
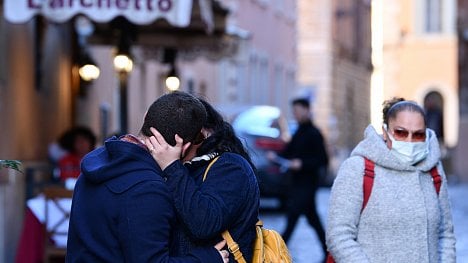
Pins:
<point x="176" y="12"/>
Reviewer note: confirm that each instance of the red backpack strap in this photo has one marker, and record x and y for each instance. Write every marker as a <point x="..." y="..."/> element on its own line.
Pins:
<point x="436" y="179"/>
<point x="368" y="181"/>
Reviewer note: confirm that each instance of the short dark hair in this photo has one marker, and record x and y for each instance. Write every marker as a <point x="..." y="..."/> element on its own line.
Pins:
<point x="302" y="102"/>
<point x="175" y="113"/>
<point x="396" y="105"/>
<point x="68" y="138"/>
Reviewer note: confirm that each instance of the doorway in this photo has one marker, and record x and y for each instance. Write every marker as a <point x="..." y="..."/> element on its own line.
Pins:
<point x="434" y="107"/>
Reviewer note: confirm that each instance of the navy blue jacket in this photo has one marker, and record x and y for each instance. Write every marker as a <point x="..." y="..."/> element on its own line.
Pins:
<point x="122" y="210"/>
<point x="227" y="199"/>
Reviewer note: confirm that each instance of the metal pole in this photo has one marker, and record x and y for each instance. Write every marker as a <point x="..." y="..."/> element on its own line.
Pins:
<point x="123" y="102"/>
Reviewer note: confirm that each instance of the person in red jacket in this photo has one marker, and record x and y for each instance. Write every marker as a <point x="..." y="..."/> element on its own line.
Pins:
<point x="78" y="141"/>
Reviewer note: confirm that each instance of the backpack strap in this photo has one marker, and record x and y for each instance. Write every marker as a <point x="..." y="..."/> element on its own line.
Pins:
<point x="233" y="247"/>
<point x="436" y="179"/>
<point x="209" y="166"/>
<point x="368" y="181"/>
<point x="369" y="175"/>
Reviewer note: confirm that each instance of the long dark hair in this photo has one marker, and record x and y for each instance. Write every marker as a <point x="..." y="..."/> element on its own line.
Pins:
<point x="223" y="137"/>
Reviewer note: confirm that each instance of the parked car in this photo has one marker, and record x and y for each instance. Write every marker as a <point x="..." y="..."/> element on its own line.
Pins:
<point x="262" y="129"/>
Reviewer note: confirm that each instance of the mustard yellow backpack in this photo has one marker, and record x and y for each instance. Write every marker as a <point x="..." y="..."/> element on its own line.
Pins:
<point x="269" y="246"/>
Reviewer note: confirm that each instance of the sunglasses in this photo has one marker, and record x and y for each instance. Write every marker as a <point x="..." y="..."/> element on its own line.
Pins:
<point x="402" y="134"/>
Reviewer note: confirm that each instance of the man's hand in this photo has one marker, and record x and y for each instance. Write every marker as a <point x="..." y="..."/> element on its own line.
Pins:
<point x="295" y="164"/>
<point x="224" y="253"/>
<point x="162" y="152"/>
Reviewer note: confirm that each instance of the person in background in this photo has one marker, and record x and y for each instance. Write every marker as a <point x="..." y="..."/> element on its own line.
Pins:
<point x="228" y="199"/>
<point x="78" y="141"/>
<point x="122" y="209"/>
<point x="307" y="158"/>
<point x="405" y="218"/>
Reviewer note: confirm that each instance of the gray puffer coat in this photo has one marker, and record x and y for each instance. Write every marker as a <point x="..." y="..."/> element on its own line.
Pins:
<point x="404" y="220"/>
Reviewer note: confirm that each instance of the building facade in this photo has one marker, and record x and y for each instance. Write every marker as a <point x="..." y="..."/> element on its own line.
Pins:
<point x="334" y="66"/>
<point x="415" y="54"/>
<point x="263" y="70"/>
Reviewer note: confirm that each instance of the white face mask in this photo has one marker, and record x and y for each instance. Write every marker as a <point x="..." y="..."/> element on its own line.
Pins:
<point x="409" y="152"/>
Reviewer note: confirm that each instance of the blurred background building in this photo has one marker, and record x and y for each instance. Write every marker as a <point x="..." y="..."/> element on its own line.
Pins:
<point x="415" y="57"/>
<point x="461" y="150"/>
<point x="334" y="66"/>
<point x="263" y="70"/>
<point x="346" y="56"/>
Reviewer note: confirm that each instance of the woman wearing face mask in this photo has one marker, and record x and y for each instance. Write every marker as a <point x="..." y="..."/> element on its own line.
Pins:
<point x="404" y="219"/>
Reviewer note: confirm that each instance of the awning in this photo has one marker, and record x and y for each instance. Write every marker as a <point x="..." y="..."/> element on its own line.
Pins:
<point x="195" y="26"/>
<point x="206" y="31"/>
<point x="139" y="12"/>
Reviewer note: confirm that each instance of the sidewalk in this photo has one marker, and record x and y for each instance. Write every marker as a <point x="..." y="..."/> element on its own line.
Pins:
<point x="459" y="196"/>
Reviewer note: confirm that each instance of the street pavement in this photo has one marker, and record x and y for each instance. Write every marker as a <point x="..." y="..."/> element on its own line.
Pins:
<point x="305" y="247"/>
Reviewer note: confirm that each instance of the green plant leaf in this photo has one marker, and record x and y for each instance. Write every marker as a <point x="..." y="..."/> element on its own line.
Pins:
<point x="11" y="164"/>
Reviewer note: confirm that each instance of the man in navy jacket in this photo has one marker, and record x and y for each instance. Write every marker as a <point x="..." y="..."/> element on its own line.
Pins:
<point x="122" y="210"/>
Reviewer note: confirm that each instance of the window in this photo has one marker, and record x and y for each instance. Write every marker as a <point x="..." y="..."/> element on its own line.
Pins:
<point x="253" y="78"/>
<point x="264" y="84"/>
<point x="279" y="7"/>
<point x="278" y="85"/>
<point x="263" y="3"/>
<point x="433" y="16"/>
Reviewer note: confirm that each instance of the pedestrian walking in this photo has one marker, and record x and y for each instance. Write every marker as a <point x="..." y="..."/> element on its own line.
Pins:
<point x="307" y="156"/>
<point x="402" y="214"/>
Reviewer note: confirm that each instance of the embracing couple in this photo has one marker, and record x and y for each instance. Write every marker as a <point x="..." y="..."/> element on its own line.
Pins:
<point x="144" y="198"/>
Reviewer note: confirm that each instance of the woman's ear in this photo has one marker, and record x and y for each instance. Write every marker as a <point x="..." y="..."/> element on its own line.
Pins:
<point x="185" y="148"/>
<point x="385" y="132"/>
<point x="386" y="139"/>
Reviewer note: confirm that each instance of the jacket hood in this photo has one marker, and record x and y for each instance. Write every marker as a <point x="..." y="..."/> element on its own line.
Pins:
<point x="375" y="149"/>
<point x="116" y="158"/>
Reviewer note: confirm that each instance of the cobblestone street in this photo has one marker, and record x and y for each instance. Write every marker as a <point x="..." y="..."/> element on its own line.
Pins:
<point x="305" y="247"/>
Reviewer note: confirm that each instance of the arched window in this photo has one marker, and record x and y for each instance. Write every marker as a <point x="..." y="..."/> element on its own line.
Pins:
<point x="434" y="105"/>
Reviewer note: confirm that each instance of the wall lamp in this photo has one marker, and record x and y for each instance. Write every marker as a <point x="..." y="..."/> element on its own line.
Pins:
<point x="123" y="60"/>
<point x="123" y="64"/>
<point x="88" y="69"/>
<point x="172" y="79"/>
